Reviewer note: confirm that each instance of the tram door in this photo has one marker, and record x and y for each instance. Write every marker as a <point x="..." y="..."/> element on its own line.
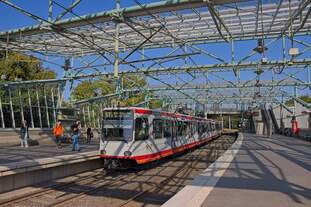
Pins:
<point x="142" y="135"/>
<point x="173" y="140"/>
<point x="159" y="134"/>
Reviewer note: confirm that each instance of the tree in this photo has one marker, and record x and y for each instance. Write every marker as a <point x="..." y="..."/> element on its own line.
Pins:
<point x="15" y="66"/>
<point x="305" y="98"/>
<point x="104" y="86"/>
<point x="19" y="67"/>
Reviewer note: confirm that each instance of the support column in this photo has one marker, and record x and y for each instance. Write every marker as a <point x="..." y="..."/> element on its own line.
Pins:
<point x="116" y="51"/>
<point x="59" y="96"/>
<point x="143" y="58"/>
<point x="98" y="122"/>
<point x="89" y="115"/>
<point x="229" y="120"/>
<point x="21" y="105"/>
<point x="232" y="51"/>
<point x="11" y="108"/>
<point x="30" y="109"/>
<point x="295" y="102"/>
<point x="53" y="105"/>
<point x="284" y="47"/>
<point x="94" y="119"/>
<point x="83" y="113"/>
<point x="50" y="10"/>
<point x="46" y="108"/>
<point x="1" y="113"/>
<point x="309" y="75"/>
<point x="39" y="109"/>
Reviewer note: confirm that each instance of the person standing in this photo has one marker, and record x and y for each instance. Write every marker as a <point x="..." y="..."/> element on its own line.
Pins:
<point x="76" y="131"/>
<point x="89" y="135"/>
<point x="58" y="132"/>
<point x="24" y="134"/>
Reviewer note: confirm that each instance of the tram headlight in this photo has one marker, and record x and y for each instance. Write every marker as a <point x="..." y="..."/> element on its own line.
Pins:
<point x="127" y="153"/>
<point x="103" y="152"/>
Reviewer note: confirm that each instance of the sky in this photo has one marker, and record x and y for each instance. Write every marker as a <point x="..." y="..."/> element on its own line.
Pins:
<point x="12" y="19"/>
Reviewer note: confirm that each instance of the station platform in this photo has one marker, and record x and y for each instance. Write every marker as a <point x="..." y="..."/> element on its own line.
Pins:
<point x="21" y="167"/>
<point x="256" y="171"/>
<point x="11" y="154"/>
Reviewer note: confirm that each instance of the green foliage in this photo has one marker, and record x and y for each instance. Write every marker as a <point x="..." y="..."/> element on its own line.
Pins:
<point x="305" y="98"/>
<point x="155" y="104"/>
<point x="104" y="86"/>
<point x="16" y="65"/>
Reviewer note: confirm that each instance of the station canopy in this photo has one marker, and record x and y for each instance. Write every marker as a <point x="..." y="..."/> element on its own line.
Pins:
<point x="161" y="24"/>
<point x="184" y="31"/>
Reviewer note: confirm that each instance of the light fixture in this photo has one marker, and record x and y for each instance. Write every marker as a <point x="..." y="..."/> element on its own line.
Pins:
<point x="293" y="51"/>
<point x="260" y="46"/>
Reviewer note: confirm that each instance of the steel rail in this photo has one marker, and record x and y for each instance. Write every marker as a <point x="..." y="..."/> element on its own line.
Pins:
<point x="43" y="191"/>
<point x="190" y="167"/>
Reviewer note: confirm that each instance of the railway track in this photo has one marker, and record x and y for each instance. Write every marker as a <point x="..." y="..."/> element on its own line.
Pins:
<point x="127" y="188"/>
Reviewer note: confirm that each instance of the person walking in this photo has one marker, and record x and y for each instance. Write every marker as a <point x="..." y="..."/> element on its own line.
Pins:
<point x="58" y="132"/>
<point x="24" y="134"/>
<point x="76" y="132"/>
<point x="89" y="135"/>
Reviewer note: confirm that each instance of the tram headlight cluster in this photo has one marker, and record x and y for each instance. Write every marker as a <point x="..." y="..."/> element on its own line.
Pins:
<point x="103" y="152"/>
<point x="127" y="153"/>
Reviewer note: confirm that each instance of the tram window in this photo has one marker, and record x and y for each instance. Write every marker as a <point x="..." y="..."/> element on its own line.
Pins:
<point x="167" y="128"/>
<point x="187" y="128"/>
<point x="181" y="128"/>
<point x="201" y="128"/>
<point x="205" y="127"/>
<point x="194" y="127"/>
<point x="158" y="128"/>
<point x="141" y="129"/>
<point x="213" y="127"/>
<point x="184" y="128"/>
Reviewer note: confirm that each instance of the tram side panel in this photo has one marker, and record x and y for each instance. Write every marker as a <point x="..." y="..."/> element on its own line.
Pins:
<point x="147" y="137"/>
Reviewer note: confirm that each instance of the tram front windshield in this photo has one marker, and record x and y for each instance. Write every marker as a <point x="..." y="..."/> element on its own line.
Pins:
<point x="118" y="125"/>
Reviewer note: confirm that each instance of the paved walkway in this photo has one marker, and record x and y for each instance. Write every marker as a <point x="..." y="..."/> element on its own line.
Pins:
<point x="260" y="172"/>
<point x="10" y="154"/>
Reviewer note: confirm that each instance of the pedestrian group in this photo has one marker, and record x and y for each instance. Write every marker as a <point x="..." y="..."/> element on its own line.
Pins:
<point x="58" y="132"/>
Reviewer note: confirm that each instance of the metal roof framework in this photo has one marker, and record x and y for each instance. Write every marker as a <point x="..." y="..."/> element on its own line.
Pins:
<point x="185" y="26"/>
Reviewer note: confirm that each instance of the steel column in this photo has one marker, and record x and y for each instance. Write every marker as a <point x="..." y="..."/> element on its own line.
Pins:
<point x="53" y="105"/>
<point x="116" y="49"/>
<point x="229" y="120"/>
<point x="94" y="119"/>
<point x="1" y="113"/>
<point x="46" y="108"/>
<point x="50" y="10"/>
<point x="30" y="109"/>
<point x="39" y="108"/>
<point x="83" y="116"/>
<point x="89" y="115"/>
<point x="21" y="105"/>
<point x="11" y="108"/>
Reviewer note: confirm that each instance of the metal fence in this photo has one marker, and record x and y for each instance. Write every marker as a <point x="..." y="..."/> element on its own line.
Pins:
<point x="37" y="104"/>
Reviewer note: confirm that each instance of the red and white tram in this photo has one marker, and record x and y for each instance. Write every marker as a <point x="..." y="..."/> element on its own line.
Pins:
<point x="137" y="135"/>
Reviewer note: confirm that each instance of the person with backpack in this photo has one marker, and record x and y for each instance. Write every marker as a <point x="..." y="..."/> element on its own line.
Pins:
<point x="76" y="132"/>
<point x="24" y="134"/>
<point x="89" y="135"/>
<point x="58" y="132"/>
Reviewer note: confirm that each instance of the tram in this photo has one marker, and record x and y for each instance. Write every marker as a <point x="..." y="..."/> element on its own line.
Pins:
<point x="132" y="135"/>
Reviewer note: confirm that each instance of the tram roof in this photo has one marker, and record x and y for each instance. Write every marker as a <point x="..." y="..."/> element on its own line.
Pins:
<point x="140" y="110"/>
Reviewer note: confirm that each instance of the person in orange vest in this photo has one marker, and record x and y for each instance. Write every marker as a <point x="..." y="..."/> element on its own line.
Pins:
<point x="295" y="128"/>
<point x="58" y="132"/>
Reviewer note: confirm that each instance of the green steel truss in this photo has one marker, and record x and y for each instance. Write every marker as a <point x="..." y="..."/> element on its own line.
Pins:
<point x="185" y="69"/>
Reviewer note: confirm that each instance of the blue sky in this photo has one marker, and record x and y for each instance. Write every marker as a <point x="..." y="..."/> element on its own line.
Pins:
<point x="11" y="19"/>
